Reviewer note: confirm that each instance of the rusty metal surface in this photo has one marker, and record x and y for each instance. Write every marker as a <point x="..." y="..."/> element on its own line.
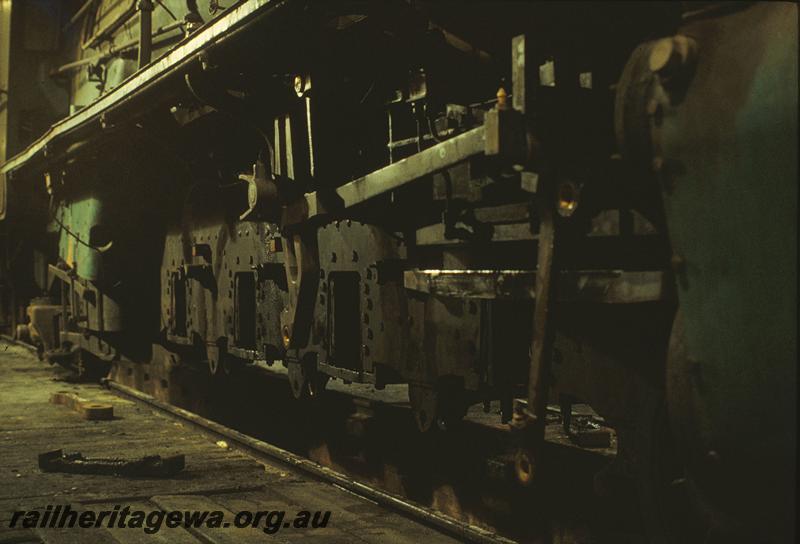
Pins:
<point x="543" y="329"/>
<point x="75" y="463"/>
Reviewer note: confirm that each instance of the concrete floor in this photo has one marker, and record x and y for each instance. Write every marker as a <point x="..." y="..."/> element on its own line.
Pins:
<point x="215" y="477"/>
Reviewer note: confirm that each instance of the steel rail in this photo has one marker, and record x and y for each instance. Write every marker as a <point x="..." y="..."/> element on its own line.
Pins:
<point x="427" y="516"/>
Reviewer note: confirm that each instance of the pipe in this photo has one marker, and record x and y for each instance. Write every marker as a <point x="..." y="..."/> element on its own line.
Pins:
<point x="145" y="8"/>
<point x="122" y="48"/>
<point x="78" y="14"/>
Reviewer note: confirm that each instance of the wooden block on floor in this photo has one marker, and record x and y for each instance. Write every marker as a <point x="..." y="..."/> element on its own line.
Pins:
<point x="93" y="411"/>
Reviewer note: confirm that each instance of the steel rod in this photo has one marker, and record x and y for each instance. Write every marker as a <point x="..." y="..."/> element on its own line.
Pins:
<point x="78" y="14"/>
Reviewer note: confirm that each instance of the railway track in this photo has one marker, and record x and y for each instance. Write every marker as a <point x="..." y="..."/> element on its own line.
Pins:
<point x="215" y="478"/>
<point x="460" y="483"/>
<point x="264" y="450"/>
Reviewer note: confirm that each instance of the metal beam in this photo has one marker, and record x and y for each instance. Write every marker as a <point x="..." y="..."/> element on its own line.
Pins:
<point x="426" y="162"/>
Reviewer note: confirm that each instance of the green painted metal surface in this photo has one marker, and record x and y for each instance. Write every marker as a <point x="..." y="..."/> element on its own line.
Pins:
<point x="730" y="152"/>
<point x="74" y="221"/>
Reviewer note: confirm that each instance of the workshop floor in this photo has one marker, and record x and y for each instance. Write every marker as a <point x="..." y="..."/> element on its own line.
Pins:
<point x="215" y="477"/>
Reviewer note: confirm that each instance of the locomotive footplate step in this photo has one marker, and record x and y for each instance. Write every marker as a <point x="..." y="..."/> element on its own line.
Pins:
<point x="222" y="495"/>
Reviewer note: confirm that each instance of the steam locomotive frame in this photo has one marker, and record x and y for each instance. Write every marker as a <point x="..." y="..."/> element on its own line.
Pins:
<point x="356" y="191"/>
